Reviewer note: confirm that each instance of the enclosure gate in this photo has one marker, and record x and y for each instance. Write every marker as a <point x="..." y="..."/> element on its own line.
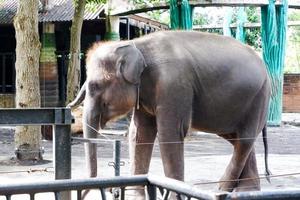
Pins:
<point x="61" y="119"/>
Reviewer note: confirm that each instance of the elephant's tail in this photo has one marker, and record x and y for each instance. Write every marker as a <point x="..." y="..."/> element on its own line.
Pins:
<point x="265" y="140"/>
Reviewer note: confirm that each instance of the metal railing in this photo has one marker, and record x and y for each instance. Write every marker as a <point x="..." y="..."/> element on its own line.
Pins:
<point x="60" y="119"/>
<point x="152" y="184"/>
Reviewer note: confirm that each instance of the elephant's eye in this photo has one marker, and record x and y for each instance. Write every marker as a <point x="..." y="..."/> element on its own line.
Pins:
<point x="93" y="87"/>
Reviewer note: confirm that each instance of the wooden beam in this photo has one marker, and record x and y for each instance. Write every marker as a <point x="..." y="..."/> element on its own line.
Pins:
<point x="246" y="25"/>
<point x="209" y="3"/>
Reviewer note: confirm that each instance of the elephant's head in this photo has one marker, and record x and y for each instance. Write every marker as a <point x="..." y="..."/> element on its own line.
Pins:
<point x="113" y="75"/>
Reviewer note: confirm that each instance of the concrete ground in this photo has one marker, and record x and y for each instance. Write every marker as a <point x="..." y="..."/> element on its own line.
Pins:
<point x="206" y="157"/>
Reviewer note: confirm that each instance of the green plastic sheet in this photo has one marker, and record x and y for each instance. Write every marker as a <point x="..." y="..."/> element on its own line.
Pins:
<point x="181" y="15"/>
<point x="273" y="32"/>
<point x="241" y="19"/>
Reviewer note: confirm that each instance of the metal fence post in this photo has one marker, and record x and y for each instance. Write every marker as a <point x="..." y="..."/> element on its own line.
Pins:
<point x="151" y="189"/>
<point x="117" y="155"/>
<point x="62" y="155"/>
<point x="62" y="151"/>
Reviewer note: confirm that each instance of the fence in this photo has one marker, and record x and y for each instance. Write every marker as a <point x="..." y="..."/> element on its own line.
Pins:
<point x="61" y="119"/>
<point x="152" y="183"/>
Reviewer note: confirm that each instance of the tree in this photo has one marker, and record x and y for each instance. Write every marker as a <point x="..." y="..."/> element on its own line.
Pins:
<point x="27" y="138"/>
<point x="73" y="82"/>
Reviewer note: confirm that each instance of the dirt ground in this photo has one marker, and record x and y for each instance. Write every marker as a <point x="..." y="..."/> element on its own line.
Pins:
<point x="206" y="157"/>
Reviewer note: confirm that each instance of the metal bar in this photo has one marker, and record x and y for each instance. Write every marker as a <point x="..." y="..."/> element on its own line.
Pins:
<point x="75" y="184"/>
<point x="116" y="156"/>
<point x="128" y="28"/>
<point x="146" y="30"/>
<point x="91" y="140"/>
<point x="265" y="195"/>
<point x="35" y="116"/>
<point x="57" y="195"/>
<point x="151" y="189"/>
<point x="179" y="187"/>
<point x="78" y="194"/>
<point x="122" y="193"/>
<point x="62" y="155"/>
<point x="103" y="195"/>
<point x="62" y="151"/>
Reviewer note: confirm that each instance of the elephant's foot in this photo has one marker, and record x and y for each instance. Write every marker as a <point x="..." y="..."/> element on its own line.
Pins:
<point x="248" y="180"/>
<point x="135" y="193"/>
<point x="227" y="183"/>
<point x="248" y="185"/>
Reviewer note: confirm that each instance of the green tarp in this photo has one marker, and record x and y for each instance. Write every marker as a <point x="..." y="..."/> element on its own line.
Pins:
<point x="273" y="33"/>
<point x="181" y="15"/>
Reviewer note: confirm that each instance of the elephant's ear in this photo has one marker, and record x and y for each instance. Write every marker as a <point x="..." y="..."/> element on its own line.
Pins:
<point x="130" y="63"/>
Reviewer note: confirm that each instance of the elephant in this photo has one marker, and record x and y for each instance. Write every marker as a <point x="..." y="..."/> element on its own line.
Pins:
<point x="175" y="81"/>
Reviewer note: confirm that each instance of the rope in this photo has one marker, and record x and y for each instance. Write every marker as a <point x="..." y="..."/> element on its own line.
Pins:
<point x="29" y="171"/>
<point x="246" y="179"/>
<point x="168" y="142"/>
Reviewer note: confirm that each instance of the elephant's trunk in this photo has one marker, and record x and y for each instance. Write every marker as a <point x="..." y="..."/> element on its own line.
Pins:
<point x="90" y="127"/>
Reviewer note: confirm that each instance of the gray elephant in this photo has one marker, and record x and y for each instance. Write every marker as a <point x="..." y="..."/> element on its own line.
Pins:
<point x="176" y="80"/>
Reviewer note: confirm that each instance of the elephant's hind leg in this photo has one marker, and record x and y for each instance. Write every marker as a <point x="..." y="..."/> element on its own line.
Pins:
<point x="249" y="179"/>
<point x="242" y="150"/>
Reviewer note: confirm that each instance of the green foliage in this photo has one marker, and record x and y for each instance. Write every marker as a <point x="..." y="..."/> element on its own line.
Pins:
<point x="253" y="35"/>
<point x="294" y="15"/>
<point x="146" y="3"/>
<point x="253" y="38"/>
<point x="201" y="19"/>
<point x="292" y="63"/>
<point x="161" y="16"/>
<point x="252" y="14"/>
<point x="91" y="4"/>
<point x="158" y="15"/>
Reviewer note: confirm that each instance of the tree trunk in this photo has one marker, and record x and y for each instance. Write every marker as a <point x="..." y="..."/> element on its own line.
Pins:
<point x="27" y="138"/>
<point x="73" y="82"/>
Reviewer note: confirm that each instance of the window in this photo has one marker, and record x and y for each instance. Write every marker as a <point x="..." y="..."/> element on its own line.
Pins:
<point x="7" y="72"/>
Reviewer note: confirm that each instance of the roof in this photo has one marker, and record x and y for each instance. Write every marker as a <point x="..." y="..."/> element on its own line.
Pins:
<point x="57" y="10"/>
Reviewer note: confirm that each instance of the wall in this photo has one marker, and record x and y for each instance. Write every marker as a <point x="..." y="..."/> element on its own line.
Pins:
<point x="291" y="93"/>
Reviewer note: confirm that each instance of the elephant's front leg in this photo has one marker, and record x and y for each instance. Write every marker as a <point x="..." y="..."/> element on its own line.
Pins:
<point x="172" y="128"/>
<point x="142" y="134"/>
